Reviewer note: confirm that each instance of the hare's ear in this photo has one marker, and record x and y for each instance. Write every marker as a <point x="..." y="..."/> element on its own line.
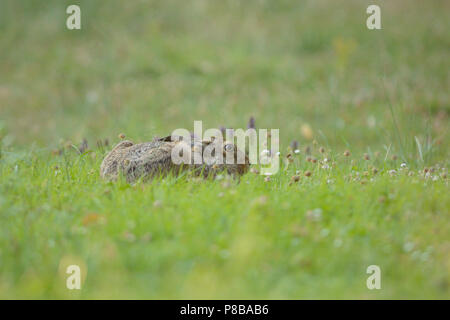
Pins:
<point x="171" y="139"/>
<point x="168" y="138"/>
<point x="123" y="144"/>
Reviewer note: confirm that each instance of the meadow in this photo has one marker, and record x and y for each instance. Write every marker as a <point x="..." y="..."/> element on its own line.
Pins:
<point x="369" y="185"/>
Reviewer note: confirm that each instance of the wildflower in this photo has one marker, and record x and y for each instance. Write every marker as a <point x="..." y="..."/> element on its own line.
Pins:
<point x="128" y="236"/>
<point x="121" y="136"/>
<point x="392" y="172"/>
<point x="251" y="123"/>
<point x="146" y="237"/>
<point x="322" y="150"/>
<point x="346" y="153"/>
<point x="295" y="178"/>
<point x="325" y="166"/>
<point x="267" y="179"/>
<point x="408" y="246"/>
<point x="314" y="215"/>
<point x="308" y="173"/>
<point x="157" y="203"/>
<point x="307" y="131"/>
<point x="366" y="156"/>
<point x="374" y="170"/>
<point x="83" y="146"/>
<point x="297" y="151"/>
<point x="68" y="144"/>
<point x="278" y="153"/>
<point x="324" y="233"/>
<point x="314" y="160"/>
<point x="337" y="243"/>
<point x="57" y="152"/>
<point x="226" y="184"/>
<point x="294" y="145"/>
<point x="403" y="165"/>
<point x="262" y="200"/>
<point x="92" y="219"/>
<point x="223" y="130"/>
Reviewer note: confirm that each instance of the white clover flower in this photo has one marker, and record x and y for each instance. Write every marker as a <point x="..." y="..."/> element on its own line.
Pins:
<point x="392" y="172"/>
<point x="408" y="246"/>
<point x="403" y="165"/>
<point x="278" y="153"/>
<point x="337" y="243"/>
<point x="297" y="151"/>
<point x="324" y="233"/>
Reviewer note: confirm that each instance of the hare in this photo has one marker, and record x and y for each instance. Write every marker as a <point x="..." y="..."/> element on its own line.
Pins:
<point x="149" y="159"/>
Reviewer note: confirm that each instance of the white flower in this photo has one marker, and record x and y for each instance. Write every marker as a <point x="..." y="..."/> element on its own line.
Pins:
<point x="392" y="172"/>
<point x="403" y="165"/>
<point x="337" y="243"/>
<point x="297" y="151"/>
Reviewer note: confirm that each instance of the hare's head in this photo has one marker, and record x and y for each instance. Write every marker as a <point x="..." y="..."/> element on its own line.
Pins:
<point x="220" y="155"/>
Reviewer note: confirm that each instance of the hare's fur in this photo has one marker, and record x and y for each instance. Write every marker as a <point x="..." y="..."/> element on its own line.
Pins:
<point x="150" y="159"/>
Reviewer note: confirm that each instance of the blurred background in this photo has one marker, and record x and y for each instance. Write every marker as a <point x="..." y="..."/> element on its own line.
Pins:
<point x="144" y="68"/>
<point x="310" y="68"/>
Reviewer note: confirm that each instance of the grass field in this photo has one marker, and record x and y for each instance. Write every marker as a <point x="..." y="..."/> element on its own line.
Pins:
<point x="310" y="68"/>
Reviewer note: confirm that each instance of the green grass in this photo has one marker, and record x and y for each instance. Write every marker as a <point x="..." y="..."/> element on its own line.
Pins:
<point x="146" y="68"/>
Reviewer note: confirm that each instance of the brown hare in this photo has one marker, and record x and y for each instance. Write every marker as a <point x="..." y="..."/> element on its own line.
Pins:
<point x="149" y="159"/>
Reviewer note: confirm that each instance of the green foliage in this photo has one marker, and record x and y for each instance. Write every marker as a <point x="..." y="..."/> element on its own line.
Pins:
<point x="310" y="68"/>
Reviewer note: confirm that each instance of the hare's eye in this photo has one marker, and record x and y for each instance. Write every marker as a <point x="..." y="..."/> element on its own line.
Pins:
<point x="228" y="147"/>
